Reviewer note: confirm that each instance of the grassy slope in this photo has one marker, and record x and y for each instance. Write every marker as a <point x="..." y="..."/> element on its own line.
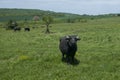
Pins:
<point x="35" y="56"/>
<point x="22" y="14"/>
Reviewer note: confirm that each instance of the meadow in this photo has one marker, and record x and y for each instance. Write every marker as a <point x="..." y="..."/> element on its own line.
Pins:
<point x="35" y="55"/>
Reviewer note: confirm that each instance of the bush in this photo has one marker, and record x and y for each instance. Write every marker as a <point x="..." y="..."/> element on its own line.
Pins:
<point x="11" y="24"/>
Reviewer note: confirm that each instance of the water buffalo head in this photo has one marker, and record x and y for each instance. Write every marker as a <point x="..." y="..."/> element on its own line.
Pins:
<point x="72" y="39"/>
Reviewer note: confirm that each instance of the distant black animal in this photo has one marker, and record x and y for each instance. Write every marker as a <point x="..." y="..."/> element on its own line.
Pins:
<point x="17" y="29"/>
<point x="27" y="29"/>
<point x="68" y="47"/>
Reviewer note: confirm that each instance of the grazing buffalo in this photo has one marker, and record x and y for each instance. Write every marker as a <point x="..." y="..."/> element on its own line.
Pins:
<point x="17" y="29"/>
<point x="68" y="47"/>
<point x="27" y="29"/>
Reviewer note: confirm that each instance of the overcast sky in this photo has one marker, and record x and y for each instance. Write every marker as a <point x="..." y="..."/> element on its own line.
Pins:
<point x="91" y="7"/>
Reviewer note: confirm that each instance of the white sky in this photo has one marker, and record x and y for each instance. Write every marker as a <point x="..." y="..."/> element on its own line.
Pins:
<point x="91" y="7"/>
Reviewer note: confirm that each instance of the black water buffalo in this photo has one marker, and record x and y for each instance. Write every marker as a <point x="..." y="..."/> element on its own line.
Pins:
<point x="17" y="29"/>
<point x="68" y="47"/>
<point x="27" y="29"/>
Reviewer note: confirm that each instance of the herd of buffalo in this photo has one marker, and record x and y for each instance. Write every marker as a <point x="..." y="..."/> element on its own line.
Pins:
<point x="67" y="45"/>
<point x="19" y="28"/>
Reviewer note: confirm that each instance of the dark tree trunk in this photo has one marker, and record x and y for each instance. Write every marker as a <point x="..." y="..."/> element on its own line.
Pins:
<point x="47" y="29"/>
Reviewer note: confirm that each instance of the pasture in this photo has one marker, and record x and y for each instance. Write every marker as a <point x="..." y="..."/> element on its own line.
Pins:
<point x="35" y="55"/>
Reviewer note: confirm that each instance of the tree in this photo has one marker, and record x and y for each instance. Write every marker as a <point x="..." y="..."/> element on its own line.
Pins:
<point x="118" y="14"/>
<point x="71" y="20"/>
<point x="36" y="19"/>
<point x="48" y="20"/>
<point x="25" y="22"/>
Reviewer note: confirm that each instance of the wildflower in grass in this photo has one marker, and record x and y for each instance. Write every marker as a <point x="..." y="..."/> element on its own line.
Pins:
<point x="24" y="57"/>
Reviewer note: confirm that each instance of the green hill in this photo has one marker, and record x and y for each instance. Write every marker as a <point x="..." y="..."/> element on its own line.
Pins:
<point x="21" y="14"/>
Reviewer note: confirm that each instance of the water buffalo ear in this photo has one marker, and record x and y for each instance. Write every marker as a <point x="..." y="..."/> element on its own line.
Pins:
<point x="67" y="37"/>
<point x="77" y="38"/>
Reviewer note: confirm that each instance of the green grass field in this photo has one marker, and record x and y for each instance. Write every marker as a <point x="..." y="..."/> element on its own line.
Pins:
<point x="35" y="56"/>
